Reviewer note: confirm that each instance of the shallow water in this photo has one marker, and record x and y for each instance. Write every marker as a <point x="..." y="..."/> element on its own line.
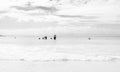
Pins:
<point x="97" y="48"/>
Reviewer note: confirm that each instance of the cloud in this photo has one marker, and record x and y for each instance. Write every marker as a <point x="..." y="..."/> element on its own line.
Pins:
<point x="32" y="8"/>
<point x="3" y="12"/>
<point x="38" y="10"/>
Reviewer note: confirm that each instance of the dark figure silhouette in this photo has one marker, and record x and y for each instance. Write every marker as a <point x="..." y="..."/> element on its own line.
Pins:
<point x="54" y="37"/>
<point x="89" y="38"/>
<point x="14" y="37"/>
<point x="45" y="38"/>
<point x="39" y="38"/>
<point x="51" y="38"/>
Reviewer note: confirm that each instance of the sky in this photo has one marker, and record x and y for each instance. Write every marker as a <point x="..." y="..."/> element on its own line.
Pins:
<point x="31" y="9"/>
<point x="63" y="16"/>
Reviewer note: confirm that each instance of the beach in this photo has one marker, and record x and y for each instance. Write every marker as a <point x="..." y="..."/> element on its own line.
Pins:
<point x="78" y="66"/>
<point x="59" y="36"/>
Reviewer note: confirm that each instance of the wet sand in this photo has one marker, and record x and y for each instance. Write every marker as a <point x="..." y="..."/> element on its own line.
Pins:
<point x="30" y="48"/>
<point x="75" y="66"/>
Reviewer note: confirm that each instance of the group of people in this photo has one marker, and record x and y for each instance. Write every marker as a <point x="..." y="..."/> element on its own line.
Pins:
<point x="45" y="38"/>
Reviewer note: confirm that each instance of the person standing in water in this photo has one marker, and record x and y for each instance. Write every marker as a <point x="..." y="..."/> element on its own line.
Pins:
<point x="54" y="37"/>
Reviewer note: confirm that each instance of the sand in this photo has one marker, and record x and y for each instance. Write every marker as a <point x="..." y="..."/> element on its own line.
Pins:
<point x="62" y="49"/>
<point x="73" y="66"/>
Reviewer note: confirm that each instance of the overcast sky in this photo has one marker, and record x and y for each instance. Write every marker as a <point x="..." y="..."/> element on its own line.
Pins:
<point x="64" y="16"/>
